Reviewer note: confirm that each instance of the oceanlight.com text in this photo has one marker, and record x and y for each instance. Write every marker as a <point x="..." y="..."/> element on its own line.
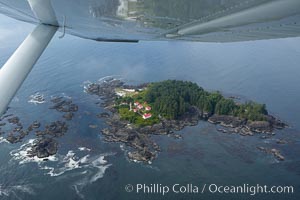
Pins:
<point x="247" y="189"/>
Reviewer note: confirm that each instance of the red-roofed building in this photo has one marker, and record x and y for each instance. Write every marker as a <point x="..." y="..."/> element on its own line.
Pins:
<point x="135" y="110"/>
<point x="148" y="108"/>
<point x="136" y="103"/>
<point x="147" y="116"/>
<point x="140" y="106"/>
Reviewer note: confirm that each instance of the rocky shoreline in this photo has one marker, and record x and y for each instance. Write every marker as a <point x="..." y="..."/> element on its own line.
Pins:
<point x="244" y="127"/>
<point x="143" y="148"/>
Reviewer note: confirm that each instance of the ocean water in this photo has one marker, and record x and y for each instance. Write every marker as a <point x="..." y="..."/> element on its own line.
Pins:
<point x="86" y="167"/>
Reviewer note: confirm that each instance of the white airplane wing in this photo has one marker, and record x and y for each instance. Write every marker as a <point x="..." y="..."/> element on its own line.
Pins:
<point x="134" y="20"/>
<point x="191" y="20"/>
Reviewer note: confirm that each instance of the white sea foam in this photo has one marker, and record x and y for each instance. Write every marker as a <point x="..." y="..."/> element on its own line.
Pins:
<point x="101" y="165"/>
<point x="87" y="83"/>
<point x="13" y="192"/>
<point x="60" y="164"/>
<point x="122" y="147"/>
<point x="93" y="166"/>
<point x="3" y="192"/>
<point x="84" y="149"/>
<point x="66" y="96"/>
<point x="37" y="98"/>
<point x="3" y="140"/>
<point x="94" y="172"/>
<point x="70" y="163"/>
<point x="23" y="157"/>
<point x="103" y="79"/>
<point x="78" y="191"/>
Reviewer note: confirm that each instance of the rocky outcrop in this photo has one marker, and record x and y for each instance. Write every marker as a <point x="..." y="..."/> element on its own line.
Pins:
<point x="244" y="127"/>
<point x="227" y="121"/>
<point x="14" y="120"/>
<point x="56" y="129"/>
<point x="45" y="144"/>
<point x="68" y="116"/>
<point x="103" y="115"/>
<point x="43" y="148"/>
<point x="275" y="152"/>
<point x="142" y="156"/>
<point x="260" y="126"/>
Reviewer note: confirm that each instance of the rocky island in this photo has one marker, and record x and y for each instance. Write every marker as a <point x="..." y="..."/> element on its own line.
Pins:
<point x="138" y="112"/>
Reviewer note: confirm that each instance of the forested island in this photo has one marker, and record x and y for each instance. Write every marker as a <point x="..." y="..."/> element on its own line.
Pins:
<point x="160" y="108"/>
<point x="171" y="99"/>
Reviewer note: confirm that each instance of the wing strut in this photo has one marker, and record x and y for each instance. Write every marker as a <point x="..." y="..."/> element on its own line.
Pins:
<point x="17" y="68"/>
<point x="19" y="65"/>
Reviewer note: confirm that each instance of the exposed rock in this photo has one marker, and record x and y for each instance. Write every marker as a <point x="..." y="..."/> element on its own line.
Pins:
<point x="176" y="136"/>
<point x="36" y="124"/>
<point x="56" y="99"/>
<point x="263" y="149"/>
<point x="275" y="152"/>
<point x="281" y="141"/>
<point x="103" y="115"/>
<point x="245" y="127"/>
<point x="260" y="126"/>
<point x="73" y="108"/>
<point x="226" y="120"/>
<point x="40" y="133"/>
<point x="68" y="116"/>
<point x="44" y="147"/>
<point x="64" y="105"/>
<point x="14" y="120"/>
<point x="222" y="130"/>
<point x="56" y="129"/>
<point x="141" y="156"/>
<point x="23" y="133"/>
<point x="18" y="129"/>
<point x="12" y="138"/>
<point x="276" y="123"/>
<point x="245" y="131"/>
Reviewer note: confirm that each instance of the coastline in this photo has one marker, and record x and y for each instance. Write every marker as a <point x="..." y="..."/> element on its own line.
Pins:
<point x="143" y="148"/>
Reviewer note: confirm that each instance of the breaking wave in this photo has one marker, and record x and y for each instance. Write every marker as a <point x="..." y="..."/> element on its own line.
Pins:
<point x="109" y="78"/>
<point x="3" y="140"/>
<point x="92" y="167"/>
<point x="37" y="98"/>
<point x="86" y="84"/>
<point x="23" y="157"/>
<point x="63" y="163"/>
